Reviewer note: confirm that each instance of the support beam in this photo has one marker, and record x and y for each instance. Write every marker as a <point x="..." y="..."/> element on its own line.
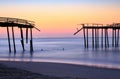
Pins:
<point x="13" y="40"/>
<point x="8" y="39"/>
<point x="22" y="39"/>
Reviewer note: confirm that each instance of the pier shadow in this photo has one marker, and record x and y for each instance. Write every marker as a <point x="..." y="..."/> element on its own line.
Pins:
<point x="20" y="56"/>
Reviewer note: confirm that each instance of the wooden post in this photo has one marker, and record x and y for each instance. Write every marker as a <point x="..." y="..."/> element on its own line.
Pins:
<point x="31" y="41"/>
<point x="8" y="39"/>
<point x="22" y="39"/>
<point x="13" y="39"/>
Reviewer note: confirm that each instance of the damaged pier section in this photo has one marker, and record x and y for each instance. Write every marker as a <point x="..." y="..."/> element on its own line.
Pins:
<point x="20" y="23"/>
<point x="100" y="34"/>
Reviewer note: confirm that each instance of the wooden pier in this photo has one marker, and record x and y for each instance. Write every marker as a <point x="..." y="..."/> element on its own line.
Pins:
<point x="20" y="23"/>
<point x="100" y="34"/>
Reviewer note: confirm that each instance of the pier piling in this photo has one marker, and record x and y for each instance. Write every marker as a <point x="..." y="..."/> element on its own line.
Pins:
<point x="92" y="38"/>
<point x="31" y="41"/>
<point x="102" y="38"/>
<point x="8" y="39"/>
<point x="118" y="38"/>
<point x="22" y="39"/>
<point x="84" y="37"/>
<point x="13" y="39"/>
<point x="26" y="35"/>
<point x="87" y="38"/>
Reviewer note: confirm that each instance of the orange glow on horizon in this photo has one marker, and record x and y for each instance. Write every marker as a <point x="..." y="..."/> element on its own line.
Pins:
<point x="62" y="20"/>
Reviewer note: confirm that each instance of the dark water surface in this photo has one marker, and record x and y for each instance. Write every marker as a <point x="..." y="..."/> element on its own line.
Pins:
<point x="62" y="50"/>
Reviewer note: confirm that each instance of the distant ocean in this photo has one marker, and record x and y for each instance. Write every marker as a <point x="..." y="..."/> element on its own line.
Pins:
<point x="62" y="50"/>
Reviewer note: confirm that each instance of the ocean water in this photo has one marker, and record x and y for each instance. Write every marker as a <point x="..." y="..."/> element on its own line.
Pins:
<point x="62" y="50"/>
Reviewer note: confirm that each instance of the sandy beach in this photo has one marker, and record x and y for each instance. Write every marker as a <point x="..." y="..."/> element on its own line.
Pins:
<point x="65" y="70"/>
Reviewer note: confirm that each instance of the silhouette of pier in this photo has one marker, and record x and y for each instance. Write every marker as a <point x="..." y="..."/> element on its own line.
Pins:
<point x="20" y="23"/>
<point x="100" y="34"/>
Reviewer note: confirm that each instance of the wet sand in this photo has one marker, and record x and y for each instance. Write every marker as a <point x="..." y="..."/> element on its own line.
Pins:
<point x="65" y="71"/>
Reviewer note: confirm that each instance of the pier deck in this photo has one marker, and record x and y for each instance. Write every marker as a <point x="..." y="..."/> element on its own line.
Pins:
<point x="20" y="23"/>
<point x="100" y="31"/>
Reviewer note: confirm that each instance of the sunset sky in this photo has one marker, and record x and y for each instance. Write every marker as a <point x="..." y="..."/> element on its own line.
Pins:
<point x="59" y="18"/>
